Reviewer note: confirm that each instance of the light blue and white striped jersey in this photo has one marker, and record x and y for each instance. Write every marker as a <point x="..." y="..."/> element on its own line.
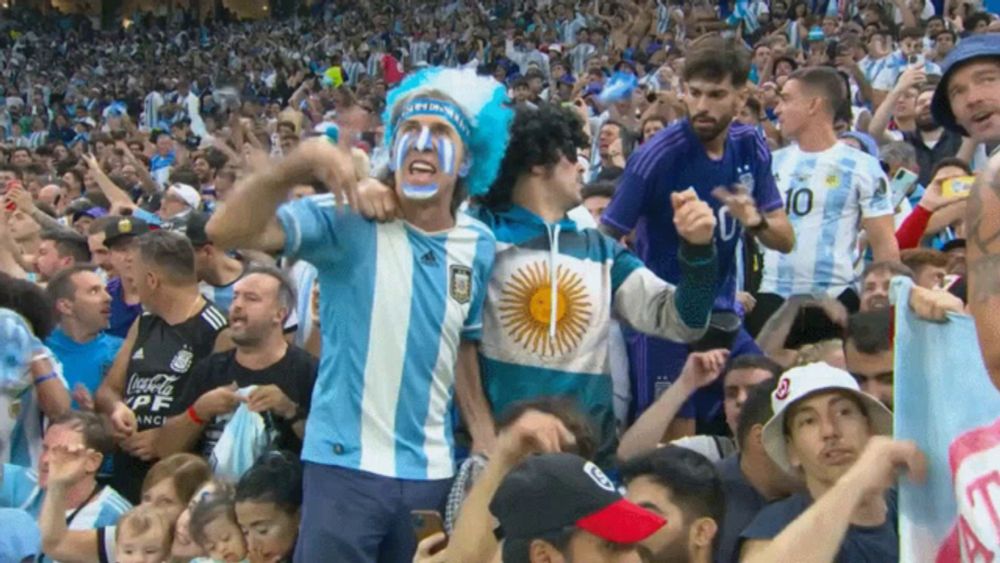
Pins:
<point x="395" y="303"/>
<point x="826" y="195"/>
<point x="150" y="118"/>
<point x="22" y="422"/>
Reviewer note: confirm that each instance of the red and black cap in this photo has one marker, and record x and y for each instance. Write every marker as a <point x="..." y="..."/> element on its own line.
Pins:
<point x="549" y="492"/>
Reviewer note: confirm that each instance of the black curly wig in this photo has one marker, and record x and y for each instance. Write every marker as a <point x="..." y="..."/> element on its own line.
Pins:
<point x="538" y="137"/>
<point x="28" y="300"/>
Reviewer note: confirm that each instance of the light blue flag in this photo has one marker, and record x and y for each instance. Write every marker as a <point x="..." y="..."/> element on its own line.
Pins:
<point x="945" y="402"/>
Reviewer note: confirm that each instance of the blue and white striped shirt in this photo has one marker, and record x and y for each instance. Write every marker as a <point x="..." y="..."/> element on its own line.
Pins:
<point x="826" y="195"/>
<point x="395" y="303"/>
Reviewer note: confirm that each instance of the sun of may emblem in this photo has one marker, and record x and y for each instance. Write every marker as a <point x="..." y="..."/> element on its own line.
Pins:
<point x="526" y="307"/>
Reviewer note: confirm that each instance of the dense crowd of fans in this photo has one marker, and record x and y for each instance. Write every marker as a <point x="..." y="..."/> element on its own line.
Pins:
<point x="519" y="281"/>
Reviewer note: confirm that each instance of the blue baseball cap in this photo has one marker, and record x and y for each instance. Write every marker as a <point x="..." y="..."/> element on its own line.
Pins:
<point x="986" y="45"/>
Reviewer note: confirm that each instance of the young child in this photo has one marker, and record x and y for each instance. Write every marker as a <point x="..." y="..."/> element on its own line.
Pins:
<point x="143" y="535"/>
<point x="213" y="526"/>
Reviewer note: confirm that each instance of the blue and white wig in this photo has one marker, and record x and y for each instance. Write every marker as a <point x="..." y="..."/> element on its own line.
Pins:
<point x="482" y="118"/>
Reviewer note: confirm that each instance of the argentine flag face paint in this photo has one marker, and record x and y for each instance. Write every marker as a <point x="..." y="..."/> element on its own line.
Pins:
<point x="424" y="141"/>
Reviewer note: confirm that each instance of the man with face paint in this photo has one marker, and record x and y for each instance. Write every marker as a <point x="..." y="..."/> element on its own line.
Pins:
<point x="400" y="302"/>
<point x="555" y="285"/>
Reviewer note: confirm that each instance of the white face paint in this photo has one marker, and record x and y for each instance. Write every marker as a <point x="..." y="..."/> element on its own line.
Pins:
<point x="424" y="141"/>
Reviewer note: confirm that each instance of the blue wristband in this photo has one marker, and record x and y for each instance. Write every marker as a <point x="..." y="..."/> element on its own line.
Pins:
<point x="44" y="378"/>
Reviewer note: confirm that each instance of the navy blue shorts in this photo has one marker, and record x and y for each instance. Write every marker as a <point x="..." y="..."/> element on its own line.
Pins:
<point x="351" y="515"/>
<point x="654" y="364"/>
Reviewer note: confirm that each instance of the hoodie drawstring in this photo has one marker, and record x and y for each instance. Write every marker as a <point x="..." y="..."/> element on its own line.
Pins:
<point x="553" y="231"/>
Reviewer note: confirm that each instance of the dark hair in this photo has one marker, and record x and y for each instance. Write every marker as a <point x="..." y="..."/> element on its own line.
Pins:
<point x="695" y="485"/>
<point x="825" y="81"/>
<point x="600" y="188"/>
<point x="215" y="158"/>
<point x="869" y="331"/>
<point x="275" y="478"/>
<point x="567" y="411"/>
<point x="28" y="300"/>
<point x="96" y="434"/>
<point x="61" y="285"/>
<point x="954" y="36"/>
<point x="184" y="175"/>
<point x="171" y="253"/>
<point x="518" y="550"/>
<point x="911" y="33"/>
<point x="973" y="20"/>
<point x="714" y="58"/>
<point x="894" y="268"/>
<point x="69" y="243"/>
<point x="753" y="361"/>
<point x="76" y="174"/>
<point x="286" y="291"/>
<point x="756" y="410"/>
<point x="951" y="161"/>
<point x="538" y="137"/>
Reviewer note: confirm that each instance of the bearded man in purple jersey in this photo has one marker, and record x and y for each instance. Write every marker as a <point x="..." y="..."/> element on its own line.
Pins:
<point x="714" y="156"/>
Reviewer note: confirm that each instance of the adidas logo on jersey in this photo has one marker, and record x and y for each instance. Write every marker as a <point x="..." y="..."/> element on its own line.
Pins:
<point x="429" y="259"/>
<point x="138" y="355"/>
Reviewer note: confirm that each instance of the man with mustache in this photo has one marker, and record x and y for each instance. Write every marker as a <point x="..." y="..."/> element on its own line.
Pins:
<point x="703" y="152"/>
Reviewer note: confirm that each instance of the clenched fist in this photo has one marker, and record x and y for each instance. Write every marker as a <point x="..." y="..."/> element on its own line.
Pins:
<point x="693" y="218"/>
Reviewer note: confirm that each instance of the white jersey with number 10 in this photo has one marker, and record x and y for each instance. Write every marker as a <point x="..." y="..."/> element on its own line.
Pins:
<point x="826" y="195"/>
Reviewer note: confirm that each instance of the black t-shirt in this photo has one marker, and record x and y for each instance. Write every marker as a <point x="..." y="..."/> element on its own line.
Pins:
<point x="861" y="544"/>
<point x="294" y="374"/>
<point x="159" y="370"/>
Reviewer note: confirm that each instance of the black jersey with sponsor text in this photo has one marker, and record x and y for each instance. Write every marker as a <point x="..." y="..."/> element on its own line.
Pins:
<point x="159" y="370"/>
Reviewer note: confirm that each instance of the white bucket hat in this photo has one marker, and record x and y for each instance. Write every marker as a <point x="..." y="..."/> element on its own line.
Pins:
<point x="801" y="382"/>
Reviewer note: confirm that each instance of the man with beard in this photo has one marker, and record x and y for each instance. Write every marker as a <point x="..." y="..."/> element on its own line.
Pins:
<point x="828" y="188"/>
<point x="705" y="152"/>
<point x="685" y="489"/>
<point x="931" y="141"/>
<point x="283" y="375"/>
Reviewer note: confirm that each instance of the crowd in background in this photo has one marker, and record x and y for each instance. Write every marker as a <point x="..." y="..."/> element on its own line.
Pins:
<point x="744" y="180"/>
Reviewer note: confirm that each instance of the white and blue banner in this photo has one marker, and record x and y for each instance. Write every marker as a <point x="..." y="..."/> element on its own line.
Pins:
<point x="946" y="402"/>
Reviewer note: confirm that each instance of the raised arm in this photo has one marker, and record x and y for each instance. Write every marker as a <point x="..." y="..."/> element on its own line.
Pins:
<point x="247" y="220"/>
<point x="701" y="369"/>
<point x="910" y="78"/>
<point x="114" y="194"/>
<point x="817" y="534"/>
<point x="66" y="465"/>
<point x="534" y="432"/>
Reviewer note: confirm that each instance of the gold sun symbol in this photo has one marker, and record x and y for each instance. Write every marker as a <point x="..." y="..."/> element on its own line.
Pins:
<point x="526" y="305"/>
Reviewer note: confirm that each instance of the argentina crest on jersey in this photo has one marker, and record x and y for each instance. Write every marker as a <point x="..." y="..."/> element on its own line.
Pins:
<point x="182" y="361"/>
<point x="460" y="283"/>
